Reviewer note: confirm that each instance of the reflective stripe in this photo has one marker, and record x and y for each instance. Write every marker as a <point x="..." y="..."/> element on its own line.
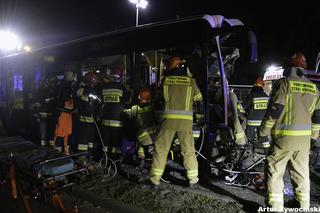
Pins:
<point x="156" y="172"/>
<point x="177" y="114"/>
<point x="302" y="196"/>
<point x="188" y="99"/>
<point x="141" y="152"/>
<point x="143" y="135"/>
<point x="266" y="144"/>
<point x="315" y="126"/>
<point x="298" y="127"/>
<point x="90" y="145"/>
<point x="105" y="149"/>
<point x="117" y="92"/>
<point x="260" y="103"/>
<point x="240" y="108"/>
<point x="288" y="119"/>
<point x="196" y="133"/>
<point x="84" y="98"/>
<point x="254" y="122"/>
<point x="290" y="110"/>
<point x="180" y="117"/>
<point x="144" y="109"/>
<point x="116" y="150"/>
<point x="291" y="132"/>
<point x="303" y="87"/>
<point x="192" y="173"/>
<point x="112" y="123"/>
<point x="275" y="197"/>
<point x="45" y="114"/>
<point x="172" y="155"/>
<point x="269" y="124"/>
<point x="177" y="80"/>
<point x="197" y="97"/>
<point x="82" y="147"/>
<point x="166" y="96"/>
<point x="86" y="119"/>
<point x="261" y="98"/>
<point x="313" y="105"/>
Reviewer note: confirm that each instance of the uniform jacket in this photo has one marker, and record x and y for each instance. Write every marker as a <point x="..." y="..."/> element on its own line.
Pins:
<point x="176" y="96"/>
<point x="291" y="127"/>
<point x="256" y="106"/>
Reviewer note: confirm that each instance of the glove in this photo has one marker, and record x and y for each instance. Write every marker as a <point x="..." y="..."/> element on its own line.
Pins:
<point x="200" y="119"/>
<point x="265" y="143"/>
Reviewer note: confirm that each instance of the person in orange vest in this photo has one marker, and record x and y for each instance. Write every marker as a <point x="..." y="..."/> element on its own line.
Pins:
<point x="65" y="107"/>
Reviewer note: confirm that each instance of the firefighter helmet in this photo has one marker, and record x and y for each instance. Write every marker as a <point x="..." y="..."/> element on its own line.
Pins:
<point x="145" y="95"/>
<point x="299" y="60"/>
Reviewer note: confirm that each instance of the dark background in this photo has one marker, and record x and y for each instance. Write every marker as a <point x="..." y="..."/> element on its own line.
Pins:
<point x="280" y="29"/>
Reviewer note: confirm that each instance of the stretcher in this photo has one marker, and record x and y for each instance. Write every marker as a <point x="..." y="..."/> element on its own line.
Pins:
<point x="38" y="172"/>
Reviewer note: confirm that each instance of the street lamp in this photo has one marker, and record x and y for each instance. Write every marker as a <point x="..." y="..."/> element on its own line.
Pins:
<point x="139" y="4"/>
<point x="9" y="41"/>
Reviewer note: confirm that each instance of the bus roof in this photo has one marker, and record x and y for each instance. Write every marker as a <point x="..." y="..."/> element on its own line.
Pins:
<point x="176" y="33"/>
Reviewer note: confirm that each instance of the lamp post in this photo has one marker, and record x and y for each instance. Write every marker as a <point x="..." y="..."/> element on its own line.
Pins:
<point x="139" y="4"/>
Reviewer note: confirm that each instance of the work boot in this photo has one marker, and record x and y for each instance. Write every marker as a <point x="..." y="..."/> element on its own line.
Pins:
<point x="193" y="183"/>
<point x="150" y="185"/>
<point x="43" y="143"/>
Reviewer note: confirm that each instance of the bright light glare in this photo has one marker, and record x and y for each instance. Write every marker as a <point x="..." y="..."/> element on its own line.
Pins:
<point x="134" y="1"/>
<point x="27" y="48"/>
<point x="273" y="68"/>
<point x="140" y="3"/>
<point x="9" y="41"/>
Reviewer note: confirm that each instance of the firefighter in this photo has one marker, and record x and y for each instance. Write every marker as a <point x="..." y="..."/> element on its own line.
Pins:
<point x="88" y="105"/>
<point x="114" y="95"/>
<point x="293" y="114"/>
<point x="255" y="106"/>
<point x="177" y="93"/>
<point x="65" y="107"/>
<point x="145" y="119"/>
<point x="47" y="103"/>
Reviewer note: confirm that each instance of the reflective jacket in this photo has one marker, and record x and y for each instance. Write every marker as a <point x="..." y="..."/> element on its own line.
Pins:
<point x="145" y="118"/>
<point x="293" y="102"/>
<point x="177" y="94"/>
<point x="114" y="95"/>
<point x="256" y="106"/>
<point x="88" y="106"/>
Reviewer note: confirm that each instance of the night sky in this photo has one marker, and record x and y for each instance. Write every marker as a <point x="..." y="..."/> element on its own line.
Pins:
<point x="279" y="29"/>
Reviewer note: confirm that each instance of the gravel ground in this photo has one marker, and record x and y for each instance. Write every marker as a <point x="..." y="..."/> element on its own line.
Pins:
<point x="167" y="198"/>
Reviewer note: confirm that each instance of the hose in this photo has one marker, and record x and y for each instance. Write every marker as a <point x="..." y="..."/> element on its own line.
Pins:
<point x="202" y="141"/>
<point x="103" y="163"/>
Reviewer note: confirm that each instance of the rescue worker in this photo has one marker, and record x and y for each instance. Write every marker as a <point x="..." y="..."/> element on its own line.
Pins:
<point x="293" y="115"/>
<point x="235" y="111"/>
<point x="46" y="101"/>
<point x="114" y="95"/>
<point x="65" y="107"/>
<point x="177" y="94"/>
<point x="256" y="106"/>
<point x="145" y="119"/>
<point x="88" y="104"/>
